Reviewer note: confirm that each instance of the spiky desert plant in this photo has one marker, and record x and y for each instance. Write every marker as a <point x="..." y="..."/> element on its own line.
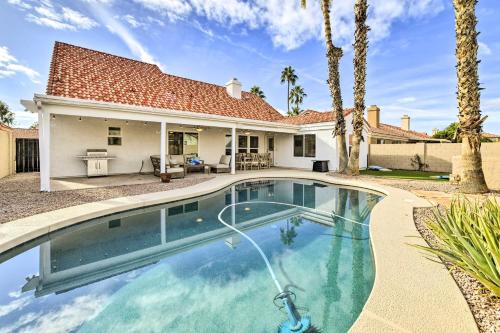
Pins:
<point x="360" y="51"/>
<point x="257" y="92"/>
<point x="333" y="55"/>
<point x="470" y="121"/>
<point x="469" y="235"/>
<point x="288" y="75"/>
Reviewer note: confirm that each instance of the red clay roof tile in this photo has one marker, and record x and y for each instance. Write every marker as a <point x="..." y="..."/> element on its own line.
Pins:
<point x="77" y="72"/>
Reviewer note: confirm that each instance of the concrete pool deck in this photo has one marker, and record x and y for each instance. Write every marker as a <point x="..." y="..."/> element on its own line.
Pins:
<point x="410" y="292"/>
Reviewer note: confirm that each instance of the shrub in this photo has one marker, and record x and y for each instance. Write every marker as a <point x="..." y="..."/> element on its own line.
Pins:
<point x="469" y="234"/>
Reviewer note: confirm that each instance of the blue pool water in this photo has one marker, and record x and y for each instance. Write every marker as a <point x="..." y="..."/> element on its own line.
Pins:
<point x="177" y="268"/>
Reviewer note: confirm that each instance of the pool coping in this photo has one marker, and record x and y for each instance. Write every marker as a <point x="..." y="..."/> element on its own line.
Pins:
<point x="410" y="292"/>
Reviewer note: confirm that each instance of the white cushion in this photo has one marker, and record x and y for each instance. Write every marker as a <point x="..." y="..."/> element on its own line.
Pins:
<point x="221" y="166"/>
<point x="225" y="159"/>
<point x="175" y="170"/>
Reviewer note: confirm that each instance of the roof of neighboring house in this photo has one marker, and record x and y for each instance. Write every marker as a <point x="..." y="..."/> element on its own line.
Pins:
<point x="5" y="127"/>
<point x="77" y="72"/>
<point x="490" y="135"/>
<point x="390" y="130"/>
<point x="312" y="117"/>
<point x="25" y="133"/>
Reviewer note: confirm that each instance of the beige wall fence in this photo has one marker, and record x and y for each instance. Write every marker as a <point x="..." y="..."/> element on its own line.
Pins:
<point x="437" y="155"/>
<point x="6" y="151"/>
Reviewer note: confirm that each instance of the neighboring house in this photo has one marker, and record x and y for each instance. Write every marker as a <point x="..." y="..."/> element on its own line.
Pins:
<point x="380" y="133"/>
<point x="133" y="110"/>
<point x="27" y="154"/>
<point x="6" y="151"/>
<point x="491" y="137"/>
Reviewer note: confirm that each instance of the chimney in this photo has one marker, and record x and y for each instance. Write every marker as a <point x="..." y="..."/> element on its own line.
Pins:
<point x="373" y="116"/>
<point x="233" y="88"/>
<point x="405" y="122"/>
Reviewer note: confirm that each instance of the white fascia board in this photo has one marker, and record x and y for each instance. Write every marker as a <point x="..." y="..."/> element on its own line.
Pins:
<point x="317" y="126"/>
<point x="89" y="108"/>
<point x="29" y="105"/>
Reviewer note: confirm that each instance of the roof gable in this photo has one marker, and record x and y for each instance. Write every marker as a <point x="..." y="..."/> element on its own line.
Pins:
<point x="77" y="72"/>
<point x="313" y="117"/>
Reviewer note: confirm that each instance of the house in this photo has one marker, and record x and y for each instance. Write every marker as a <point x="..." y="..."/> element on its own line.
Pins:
<point x="96" y="100"/>
<point x="491" y="137"/>
<point x="380" y="133"/>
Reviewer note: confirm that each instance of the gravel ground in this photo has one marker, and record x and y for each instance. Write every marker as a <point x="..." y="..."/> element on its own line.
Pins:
<point x="484" y="307"/>
<point x="20" y="195"/>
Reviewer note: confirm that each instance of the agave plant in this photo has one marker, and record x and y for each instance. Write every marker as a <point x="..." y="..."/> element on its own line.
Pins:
<point x="470" y="239"/>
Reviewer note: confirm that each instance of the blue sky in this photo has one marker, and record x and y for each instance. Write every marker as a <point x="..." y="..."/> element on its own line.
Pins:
<point x="410" y="64"/>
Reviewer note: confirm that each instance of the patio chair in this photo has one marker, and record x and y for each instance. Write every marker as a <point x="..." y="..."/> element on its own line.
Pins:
<point x="264" y="160"/>
<point x="174" y="171"/>
<point x="224" y="164"/>
<point x="254" y="161"/>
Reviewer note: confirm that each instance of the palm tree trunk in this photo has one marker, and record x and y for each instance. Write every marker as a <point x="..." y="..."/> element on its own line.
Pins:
<point x="288" y="97"/>
<point x="360" y="51"/>
<point x="470" y="123"/>
<point x="333" y="55"/>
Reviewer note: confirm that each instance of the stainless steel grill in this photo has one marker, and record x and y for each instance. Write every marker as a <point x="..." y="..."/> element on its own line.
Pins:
<point x="97" y="162"/>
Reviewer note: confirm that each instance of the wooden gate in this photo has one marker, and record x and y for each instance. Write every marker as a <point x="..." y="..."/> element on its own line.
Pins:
<point x="27" y="155"/>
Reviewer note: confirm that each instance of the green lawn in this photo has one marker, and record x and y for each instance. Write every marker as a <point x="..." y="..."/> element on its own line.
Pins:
<point x="406" y="174"/>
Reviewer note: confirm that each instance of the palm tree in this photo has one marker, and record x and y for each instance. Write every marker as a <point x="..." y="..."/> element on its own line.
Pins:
<point x="360" y="50"/>
<point x="257" y="92"/>
<point x="6" y="116"/>
<point x="288" y="235"/>
<point x="333" y="55"/>
<point x="296" y="97"/>
<point x="470" y="121"/>
<point x="288" y="75"/>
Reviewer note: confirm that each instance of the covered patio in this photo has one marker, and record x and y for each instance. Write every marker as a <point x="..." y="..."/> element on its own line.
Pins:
<point x="131" y="135"/>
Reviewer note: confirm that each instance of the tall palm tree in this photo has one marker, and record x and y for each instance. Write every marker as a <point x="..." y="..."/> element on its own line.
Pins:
<point x="6" y="116"/>
<point x="288" y="75"/>
<point x="360" y="50"/>
<point x="333" y="55"/>
<point x="470" y="121"/>
<point x="296" y="97"/>
<point x="257" y="92"/>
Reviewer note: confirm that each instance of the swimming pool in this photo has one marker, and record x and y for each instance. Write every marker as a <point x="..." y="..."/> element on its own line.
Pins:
<point x="177" y="268"/>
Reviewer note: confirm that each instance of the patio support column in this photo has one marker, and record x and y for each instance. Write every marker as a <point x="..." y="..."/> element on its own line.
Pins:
<point x="163" y="151"/>
<point x="44" y="126"/>
<point x="233" y="150"/>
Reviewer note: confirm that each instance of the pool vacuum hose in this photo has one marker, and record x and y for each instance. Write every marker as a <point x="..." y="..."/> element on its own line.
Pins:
<point x="295" y="322"/>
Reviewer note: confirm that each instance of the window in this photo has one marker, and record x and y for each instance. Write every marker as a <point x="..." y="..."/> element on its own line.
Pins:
<point x="254" y="144"/>
<point x="304" y="145"/>
<point x="114" y="136"/>
<point x="248" y="144"/>
<point x="270" y="144"/>
<point x="182" y="143"/>
<point x="228" y="144"/>
<point x="242" y="144"/>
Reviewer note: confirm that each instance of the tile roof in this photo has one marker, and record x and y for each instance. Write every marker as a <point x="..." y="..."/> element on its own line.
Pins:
<point x="25" y="133"/>
<point x="77" y="72"/>
<point x="386" y="129"/>
<point x="490" y="135"/>
<point x="312" y="117"/>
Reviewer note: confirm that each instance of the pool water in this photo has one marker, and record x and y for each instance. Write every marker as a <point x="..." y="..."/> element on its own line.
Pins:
<point x="177" y="268"/>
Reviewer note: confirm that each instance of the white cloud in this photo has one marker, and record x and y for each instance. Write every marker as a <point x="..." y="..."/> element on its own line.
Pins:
<point x="47" y="14"/>
<point x="290" y="26"/>
<point x="64" y="319"/>
<point x="117" y="28"/>
<point x="9" y="66"/>
<point x="20" y="4"/>
<point x="132" y="21"/>
<point x="408" y="99"/>
<point x="77" y="19"/>
<point x="484" y="49"/>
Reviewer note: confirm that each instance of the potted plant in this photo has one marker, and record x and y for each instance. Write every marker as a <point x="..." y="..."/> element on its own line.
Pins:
<point x="165" y="177"/>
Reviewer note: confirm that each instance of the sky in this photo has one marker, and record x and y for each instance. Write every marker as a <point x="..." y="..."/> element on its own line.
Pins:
<point x="410" y="67"/>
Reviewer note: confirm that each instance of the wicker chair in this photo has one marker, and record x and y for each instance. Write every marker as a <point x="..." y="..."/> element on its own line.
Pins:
<point x="176" y="172"/>
<point x="254" y="162"/>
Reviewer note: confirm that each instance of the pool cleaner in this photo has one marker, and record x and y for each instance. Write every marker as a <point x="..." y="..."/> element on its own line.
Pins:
<point x="295" y="323"/>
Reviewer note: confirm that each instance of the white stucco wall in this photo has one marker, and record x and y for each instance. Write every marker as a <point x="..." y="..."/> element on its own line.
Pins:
<point x="326" y="147"/>
<point x="71" y="137"/>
